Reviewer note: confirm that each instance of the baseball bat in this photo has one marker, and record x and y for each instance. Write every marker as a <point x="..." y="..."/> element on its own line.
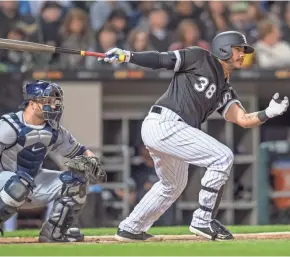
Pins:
<point x="23" y="46"/>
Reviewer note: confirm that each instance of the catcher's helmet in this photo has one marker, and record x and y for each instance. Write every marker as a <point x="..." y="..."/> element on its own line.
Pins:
<point x="41" y="91"/>
<point x="223" y="42"/>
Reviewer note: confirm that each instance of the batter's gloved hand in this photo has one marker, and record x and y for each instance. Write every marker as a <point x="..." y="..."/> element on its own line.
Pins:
<point x="90" y="167"/>
<point x="277" y="106"/>
<point x="116" y="55"/>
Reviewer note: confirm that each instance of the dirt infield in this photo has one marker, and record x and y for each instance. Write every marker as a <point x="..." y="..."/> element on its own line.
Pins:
<point x="159" y="238"/>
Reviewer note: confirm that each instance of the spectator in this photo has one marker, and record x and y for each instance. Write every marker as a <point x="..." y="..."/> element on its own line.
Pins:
<point x="271" y="52"/>
<point x="84" y="5"/>
<point x="188" y="35"/>
<point x="100" y="11"/>
<point x="136" y="14"/>
<point x="286" y="24"/>
<point x="183" y="10"/>
<point x="255" y="12"/>
<point x="242" y="21"/>
<point x="15" y="60"/>
<point x="118" y="21"/>
<point x="275" y="10"/>
<point x="34" y="7"/>
<point x="159" y="36"/>
<point x="75" y="34"/>
<point x="9" y="18"/>
<point x="213" y="20"/>
<point x="141" y="18"/>
<point x="138" y="41"/>
<point x="107" y="39"/>
<point x="50" y="21"/>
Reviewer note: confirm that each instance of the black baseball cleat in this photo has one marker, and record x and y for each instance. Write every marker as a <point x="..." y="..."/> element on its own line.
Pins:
<point x="215" y="231"/>
<point x="125" y="236"/>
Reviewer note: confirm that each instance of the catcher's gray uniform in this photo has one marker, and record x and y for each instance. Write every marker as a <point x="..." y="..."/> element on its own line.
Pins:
<point x="23" y="149"/>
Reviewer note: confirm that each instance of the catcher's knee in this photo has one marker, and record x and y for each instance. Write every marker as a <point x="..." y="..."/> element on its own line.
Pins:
<point x="15" y="192"/>
<point x="74" y="185"/>
<point x="12" y="196"/>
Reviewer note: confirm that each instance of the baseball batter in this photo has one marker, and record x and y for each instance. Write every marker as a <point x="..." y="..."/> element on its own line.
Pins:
<point x="172" y="134"/>
<point x="25" y="139"/>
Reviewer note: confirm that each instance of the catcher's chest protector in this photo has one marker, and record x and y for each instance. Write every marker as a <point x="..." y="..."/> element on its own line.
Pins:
<point x="32" y="145"/>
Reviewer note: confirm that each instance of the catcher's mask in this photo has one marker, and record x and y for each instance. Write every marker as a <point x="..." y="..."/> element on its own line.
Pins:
<point x="50" y="95"/>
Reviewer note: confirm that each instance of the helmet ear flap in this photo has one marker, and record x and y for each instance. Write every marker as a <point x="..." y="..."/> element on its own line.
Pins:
<point x="225" y="52"/>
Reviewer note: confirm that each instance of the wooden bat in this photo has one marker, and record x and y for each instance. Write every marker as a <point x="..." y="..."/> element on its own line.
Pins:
<point x="23" y="46"/>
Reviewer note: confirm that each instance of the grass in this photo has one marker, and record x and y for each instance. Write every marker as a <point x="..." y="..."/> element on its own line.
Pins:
<point x="238" y="248"/>
<point x="175" y="230"/>
<point x="207" y="248"/>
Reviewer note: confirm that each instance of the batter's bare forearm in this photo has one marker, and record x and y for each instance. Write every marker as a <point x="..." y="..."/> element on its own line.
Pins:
<point x="254" y="119"/>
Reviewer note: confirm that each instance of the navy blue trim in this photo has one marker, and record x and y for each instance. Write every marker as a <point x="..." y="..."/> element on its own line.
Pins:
<point x="22" y="139"/>
<point x="54" y="134"/>
<point x="209" y="189"/>
<point x="16" y="131"/>
<point x="80" y="151"/>
<point x="204" y="208"/>
<point x="23" y="129"/>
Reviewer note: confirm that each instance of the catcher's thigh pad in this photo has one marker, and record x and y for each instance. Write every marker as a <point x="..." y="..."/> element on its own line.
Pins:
<point x="12" y="196"/>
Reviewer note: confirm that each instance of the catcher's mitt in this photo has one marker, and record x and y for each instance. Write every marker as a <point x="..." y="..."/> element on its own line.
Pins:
<point x="91" y="167"/>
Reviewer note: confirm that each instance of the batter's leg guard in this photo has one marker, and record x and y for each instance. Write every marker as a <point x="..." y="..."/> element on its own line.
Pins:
<point x="65" y="211"/>
<point x="215" y="230"/>
<point x="218" y="201"/>
<point x="12" y="196"/>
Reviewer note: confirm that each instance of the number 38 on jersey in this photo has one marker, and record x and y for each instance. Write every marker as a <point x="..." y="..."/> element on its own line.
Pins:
<point x="203" y="86"/>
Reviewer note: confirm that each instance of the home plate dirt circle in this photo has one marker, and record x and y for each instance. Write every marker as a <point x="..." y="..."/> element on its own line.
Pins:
<point x="159" y="238"/>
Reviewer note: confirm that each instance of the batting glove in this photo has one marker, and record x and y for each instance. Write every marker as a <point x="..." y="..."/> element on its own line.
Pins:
<point x="277" y="106"/>
<point x="116" y="55"/>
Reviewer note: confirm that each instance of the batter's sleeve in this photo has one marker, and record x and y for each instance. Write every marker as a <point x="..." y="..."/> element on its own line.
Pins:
<point x="229" y="97"/>
<point x="188" y="58"/>
<point x="66" y="145"/>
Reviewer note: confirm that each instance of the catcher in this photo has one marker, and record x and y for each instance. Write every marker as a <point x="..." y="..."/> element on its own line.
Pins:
<point x="26" y="137"/>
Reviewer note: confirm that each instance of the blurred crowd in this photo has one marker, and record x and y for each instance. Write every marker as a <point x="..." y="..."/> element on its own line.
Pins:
<point x="140" y="26"/>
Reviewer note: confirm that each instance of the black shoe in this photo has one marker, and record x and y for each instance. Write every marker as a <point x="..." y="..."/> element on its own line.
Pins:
<point x="125" y="236"/>
<point x="71" y="235"/>
<point x="215" y="231"/>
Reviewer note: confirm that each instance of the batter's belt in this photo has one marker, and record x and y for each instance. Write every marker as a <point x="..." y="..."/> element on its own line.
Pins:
<point x="158" y="109"/>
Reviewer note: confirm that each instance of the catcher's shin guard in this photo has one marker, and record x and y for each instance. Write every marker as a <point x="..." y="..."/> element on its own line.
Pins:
<point x="64" y="212"/>
<point x="58" y="227"/>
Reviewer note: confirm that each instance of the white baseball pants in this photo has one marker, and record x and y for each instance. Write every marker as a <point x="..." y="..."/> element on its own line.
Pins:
<point x="173" y="145"/>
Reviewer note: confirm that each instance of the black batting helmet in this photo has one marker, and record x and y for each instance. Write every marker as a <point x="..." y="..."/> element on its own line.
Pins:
<point x="223" y="42"/>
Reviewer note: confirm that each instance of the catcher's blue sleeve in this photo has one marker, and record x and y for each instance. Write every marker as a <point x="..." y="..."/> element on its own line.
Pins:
<point x="67" y="146"/>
